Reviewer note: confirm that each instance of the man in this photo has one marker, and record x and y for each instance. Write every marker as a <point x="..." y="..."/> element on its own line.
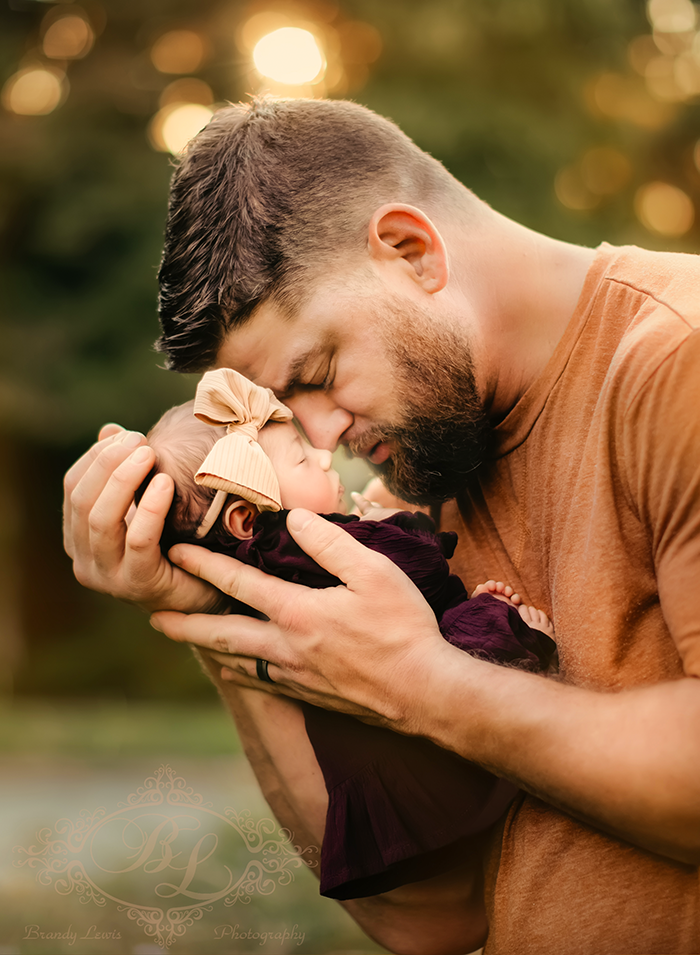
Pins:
<point x="549" y="394"/>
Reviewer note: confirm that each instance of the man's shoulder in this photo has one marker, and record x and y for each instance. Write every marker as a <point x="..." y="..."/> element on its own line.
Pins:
<point x="660" y="282"/>
<point x="647" y="309"/>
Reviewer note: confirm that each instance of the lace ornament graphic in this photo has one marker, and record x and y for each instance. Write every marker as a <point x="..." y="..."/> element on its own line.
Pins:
<point x="164" y="843"/>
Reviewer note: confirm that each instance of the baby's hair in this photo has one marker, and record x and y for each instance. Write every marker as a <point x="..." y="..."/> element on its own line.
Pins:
<point x="181" y="442"/>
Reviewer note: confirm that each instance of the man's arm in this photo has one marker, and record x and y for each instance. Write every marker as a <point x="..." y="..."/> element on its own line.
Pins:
<point x="441" y="916"/>
<point x="117" y="553"/>
<point x="626" y="762"/>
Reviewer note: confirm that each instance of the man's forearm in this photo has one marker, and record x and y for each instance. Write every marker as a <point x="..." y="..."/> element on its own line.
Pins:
<point x="273" y="735"/>
<point x="627" y="762"/>
<point x="442" y="916"/>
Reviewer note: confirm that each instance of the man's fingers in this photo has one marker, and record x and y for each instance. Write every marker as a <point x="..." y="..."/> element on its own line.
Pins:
<point x="240" y="581"/>
<point x="233" y="635"/>
<point x="99" y="506"/>
<point x="112" y="505"/>
<point x="128" y="439"/>
<point x="109" y="431"/>
<point x="335" y="550"/>
<point x="82" y="500"/>
<point x="146" y="524"/>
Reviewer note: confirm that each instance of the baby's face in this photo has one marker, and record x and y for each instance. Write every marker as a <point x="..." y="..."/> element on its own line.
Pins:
<point x="305" y="473"/>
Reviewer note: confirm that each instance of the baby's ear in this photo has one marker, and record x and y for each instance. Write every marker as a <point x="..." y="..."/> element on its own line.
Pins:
<point x="239" y="518"/>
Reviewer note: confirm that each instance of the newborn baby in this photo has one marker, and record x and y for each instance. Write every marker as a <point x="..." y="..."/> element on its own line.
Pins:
<point x="400" y="808"/>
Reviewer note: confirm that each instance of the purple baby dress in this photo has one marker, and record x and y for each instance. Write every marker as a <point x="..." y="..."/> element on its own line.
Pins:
<point x="400" y="808"/>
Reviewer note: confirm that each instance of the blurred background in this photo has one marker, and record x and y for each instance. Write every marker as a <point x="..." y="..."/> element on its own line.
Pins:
<point x="579" y="118"/>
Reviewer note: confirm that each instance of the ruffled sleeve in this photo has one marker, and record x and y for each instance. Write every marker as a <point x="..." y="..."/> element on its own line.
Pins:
<point x="400" y="809"/>
<point x="493" y="630"/>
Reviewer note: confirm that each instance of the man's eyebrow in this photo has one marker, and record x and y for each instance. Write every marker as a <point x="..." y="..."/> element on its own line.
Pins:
<point x="297" y="366"/>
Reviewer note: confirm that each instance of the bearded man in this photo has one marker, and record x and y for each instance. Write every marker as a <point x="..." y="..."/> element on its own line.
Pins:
<point x="548" y="394"/>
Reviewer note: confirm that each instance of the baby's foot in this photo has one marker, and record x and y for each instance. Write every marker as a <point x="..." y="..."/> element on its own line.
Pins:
<point x="537" y="619"/>
<point x="500" y="591"/>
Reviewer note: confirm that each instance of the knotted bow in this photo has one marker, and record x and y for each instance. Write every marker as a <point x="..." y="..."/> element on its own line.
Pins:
<point x="237" y="464"/>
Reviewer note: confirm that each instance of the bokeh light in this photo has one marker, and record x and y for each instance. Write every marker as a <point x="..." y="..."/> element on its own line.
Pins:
<point x="174" y="126"/>
<point x="640" y="51"/>
<point x="359" y="42"/>
<point x="289" y="55"/>
<point x="660" y="76"/>
<point x="572" y="191"/>
<point x="252" y="30"/>
<point x="671" y="16"/>
<point x="605" y="170"/>
<point x="34" y="91"/>
<point x="664" y="209"/>
<point x="627" y="98"/>
<point x="178" y="51"/>
<point x="187" y="90"/>
<point x="68" y="38"/>
<point x="687" y="75"/>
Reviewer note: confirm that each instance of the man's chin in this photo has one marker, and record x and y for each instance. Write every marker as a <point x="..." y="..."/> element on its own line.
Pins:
<point x="426" y="483"/>
<point x="407" y="486"/>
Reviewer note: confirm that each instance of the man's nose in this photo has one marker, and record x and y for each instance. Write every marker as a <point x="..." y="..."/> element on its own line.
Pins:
<point x="322" y="420"/>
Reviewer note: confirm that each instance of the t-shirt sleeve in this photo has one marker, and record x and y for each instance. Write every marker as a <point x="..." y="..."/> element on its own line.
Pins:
<point x="660" y="442"/>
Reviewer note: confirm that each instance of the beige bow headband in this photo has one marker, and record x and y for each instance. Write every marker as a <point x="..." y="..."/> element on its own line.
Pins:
<point x="237" y="464"/>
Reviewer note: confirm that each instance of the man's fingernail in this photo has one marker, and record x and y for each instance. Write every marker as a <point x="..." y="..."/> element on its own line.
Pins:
<point x="154" y="624"/>
<point x="299" y="519"/>
<point x="130" y="439"/>
<point x="141" y="454"/>
<point x="160" y="483"/>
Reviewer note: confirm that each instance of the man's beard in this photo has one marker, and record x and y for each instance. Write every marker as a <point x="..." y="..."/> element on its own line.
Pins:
<point x="443" y="435"/>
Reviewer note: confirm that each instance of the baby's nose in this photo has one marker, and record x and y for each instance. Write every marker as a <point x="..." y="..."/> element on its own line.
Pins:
<point x="325" y="458"/>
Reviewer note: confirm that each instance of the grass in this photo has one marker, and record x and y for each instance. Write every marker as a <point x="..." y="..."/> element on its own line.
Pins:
<point x="88" y="736"/>
<point x="115" y="728"/>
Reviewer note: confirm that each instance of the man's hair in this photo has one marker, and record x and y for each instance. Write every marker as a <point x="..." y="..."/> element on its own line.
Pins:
<point x="263" y="201"/>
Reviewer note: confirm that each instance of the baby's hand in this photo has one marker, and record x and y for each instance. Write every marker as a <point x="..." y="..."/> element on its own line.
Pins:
<point x="500" y="591"/>
<point x="371" y="510"/>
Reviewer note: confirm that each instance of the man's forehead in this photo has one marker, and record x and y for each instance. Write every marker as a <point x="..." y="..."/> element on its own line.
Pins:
<point x="252" y="345"/>
<point x="270" y="348"/>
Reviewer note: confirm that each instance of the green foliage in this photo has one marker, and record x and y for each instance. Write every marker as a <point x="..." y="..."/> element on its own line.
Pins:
<point x="502" y="91"/>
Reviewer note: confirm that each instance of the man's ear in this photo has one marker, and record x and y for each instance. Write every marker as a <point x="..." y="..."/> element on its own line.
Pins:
<point x="404" y="234"/>
<point x="239" y="518"/>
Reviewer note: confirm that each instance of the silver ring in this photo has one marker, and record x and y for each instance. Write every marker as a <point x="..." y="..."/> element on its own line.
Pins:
<point x="261" y="669"/>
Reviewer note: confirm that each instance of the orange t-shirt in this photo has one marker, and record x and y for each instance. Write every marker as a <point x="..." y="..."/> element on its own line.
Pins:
<point x="591" y="511"/>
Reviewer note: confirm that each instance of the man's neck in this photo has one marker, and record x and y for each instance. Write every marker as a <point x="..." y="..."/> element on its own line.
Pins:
<point x="525" y="287"/>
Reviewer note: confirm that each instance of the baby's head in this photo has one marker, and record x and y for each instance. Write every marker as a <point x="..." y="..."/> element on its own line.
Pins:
<point x="211" y="510"/>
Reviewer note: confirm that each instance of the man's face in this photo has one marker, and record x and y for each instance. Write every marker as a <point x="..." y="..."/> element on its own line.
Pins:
<point x="361" y="368"/>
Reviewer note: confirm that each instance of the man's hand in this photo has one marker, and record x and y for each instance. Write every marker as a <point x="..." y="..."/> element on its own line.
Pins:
<point x="114" y="546"/>
<point x="370" y="648"/>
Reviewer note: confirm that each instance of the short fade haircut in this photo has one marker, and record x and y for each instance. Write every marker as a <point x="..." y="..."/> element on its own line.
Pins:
<point x="262" y="202"/>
